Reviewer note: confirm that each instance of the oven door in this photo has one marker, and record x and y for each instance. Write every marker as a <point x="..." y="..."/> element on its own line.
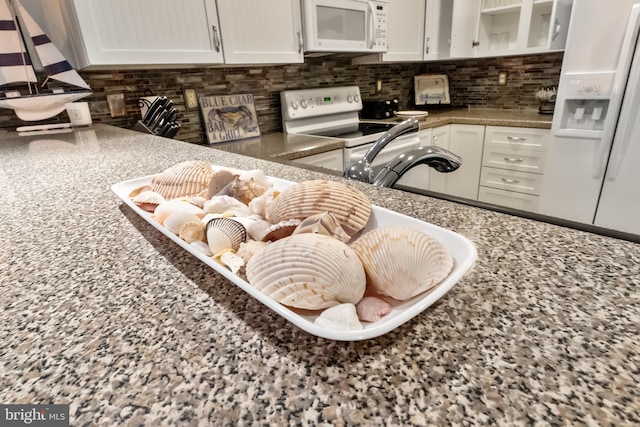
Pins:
<point x="417" y="177"/>
<point x="345" y="26"/>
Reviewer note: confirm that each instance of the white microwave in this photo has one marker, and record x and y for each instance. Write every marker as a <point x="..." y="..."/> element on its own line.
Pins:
<point x="345" y="25"/>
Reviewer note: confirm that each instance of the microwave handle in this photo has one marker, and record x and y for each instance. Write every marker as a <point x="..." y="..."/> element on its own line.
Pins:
<point x="372" y="25"/>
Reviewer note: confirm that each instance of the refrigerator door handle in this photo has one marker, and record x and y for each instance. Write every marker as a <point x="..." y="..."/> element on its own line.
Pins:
<point x="620" y="80"/>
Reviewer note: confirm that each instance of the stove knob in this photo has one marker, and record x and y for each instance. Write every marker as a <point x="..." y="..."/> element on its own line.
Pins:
<point x="303" y="103"/>
<point x="349" y="98"/>
<point x="356" y="98"/>
<point x="294" y="104"/>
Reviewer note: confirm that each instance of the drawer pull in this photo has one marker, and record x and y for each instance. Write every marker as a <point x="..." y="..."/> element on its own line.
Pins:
<point x="510" y="181"/>
<point x="517" y="138"/>
<point x="513" y="160"/>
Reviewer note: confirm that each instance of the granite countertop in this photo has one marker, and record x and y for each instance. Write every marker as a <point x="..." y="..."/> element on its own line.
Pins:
<point x="283" y="148"/>
<point x="101" y="311"/>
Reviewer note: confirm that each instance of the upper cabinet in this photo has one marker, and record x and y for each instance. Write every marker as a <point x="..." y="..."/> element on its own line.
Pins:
<point x="508" y="27"/>
<point x="261" y="31"/>
<point x="104" y="33"/>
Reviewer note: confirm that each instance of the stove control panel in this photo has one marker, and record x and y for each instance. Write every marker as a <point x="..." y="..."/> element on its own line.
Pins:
<point x="307" y="103"/>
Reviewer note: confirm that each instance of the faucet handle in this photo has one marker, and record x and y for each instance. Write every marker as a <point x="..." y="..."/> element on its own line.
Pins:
<point x="359" y="171"/>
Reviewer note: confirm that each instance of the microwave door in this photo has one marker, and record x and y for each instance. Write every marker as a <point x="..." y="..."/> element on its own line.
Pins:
<point x="339" y="25"/>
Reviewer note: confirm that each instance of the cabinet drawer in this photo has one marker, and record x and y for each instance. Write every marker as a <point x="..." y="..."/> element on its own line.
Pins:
<point x="517" y="139"/>
<point x="521" y="182"/>
<point x="509" y="199"/>
<point x="517" y="160"/>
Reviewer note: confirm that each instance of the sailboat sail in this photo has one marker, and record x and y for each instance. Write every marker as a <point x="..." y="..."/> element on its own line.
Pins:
<point x="15" y="64"/>
<point x="15" y="67"/>
<point x="55" y="65"/>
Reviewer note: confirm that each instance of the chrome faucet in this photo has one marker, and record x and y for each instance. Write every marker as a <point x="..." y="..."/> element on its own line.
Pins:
<point x="362" y="170"/>
<point x="436" y="157"/>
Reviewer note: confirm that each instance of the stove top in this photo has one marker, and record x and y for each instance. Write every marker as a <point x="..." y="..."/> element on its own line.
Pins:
<point x="357" y="130"/>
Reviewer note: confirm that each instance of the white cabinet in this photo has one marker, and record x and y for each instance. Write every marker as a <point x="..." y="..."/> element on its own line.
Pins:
<point x="417" y="30"/>
<point x="513" y="166"/>
<point x="255" y="32"/>
<point x="508" y="27"/>
<point x="332" y="160"/>
<point x="105" y="33"/>
<point x="465" y="141"/>
<point x="437" y="29"/>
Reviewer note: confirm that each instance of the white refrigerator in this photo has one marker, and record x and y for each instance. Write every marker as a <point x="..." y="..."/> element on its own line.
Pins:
<point x="592" y="170"/>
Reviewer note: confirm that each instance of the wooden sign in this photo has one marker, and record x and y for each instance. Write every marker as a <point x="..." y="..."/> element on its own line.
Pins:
<point x="229" y="117"/>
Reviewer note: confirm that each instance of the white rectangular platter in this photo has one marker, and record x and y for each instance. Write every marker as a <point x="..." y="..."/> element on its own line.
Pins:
<point x="462" y="250"/>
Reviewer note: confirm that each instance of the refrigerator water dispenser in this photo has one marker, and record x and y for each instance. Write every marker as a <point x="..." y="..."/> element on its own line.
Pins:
<point x="586" y="102"/>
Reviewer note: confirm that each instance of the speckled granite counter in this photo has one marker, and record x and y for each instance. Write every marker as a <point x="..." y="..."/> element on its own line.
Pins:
<point x="101" y="311"/>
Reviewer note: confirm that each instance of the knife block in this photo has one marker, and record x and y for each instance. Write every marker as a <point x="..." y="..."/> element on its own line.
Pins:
<point x="140" y="127"/>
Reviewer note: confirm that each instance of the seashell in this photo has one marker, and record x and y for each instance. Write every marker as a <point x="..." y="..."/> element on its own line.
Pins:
<point x="260" y="204"/>
<point x="226" y="204"/>
<point x="350" y="206"/>
<point x="280" y="230"/>
<point x="257" y="229"/>
<point x="199" y="201"/>
<point x="148" y="200"/>
<point x="177" y="205"/>
<point x="372" y="309"/>
<point x="309" y="271"/>
<point x="139" y="190"/>
<point x="249" y="248"/>
<point x="243" y="190"/>
<point x="192" y="231"/>
<point x="225" y="233"/>
<point x="184" y="179"/>
<point x="323" y="223"/>
<point x="201" y="247"/>
<point x="402" y="262"/>
<point x="229" y="259"/>
<point x="218" y="180"/>
<point x="175" y="220"/>
<point x="342" y="317"/>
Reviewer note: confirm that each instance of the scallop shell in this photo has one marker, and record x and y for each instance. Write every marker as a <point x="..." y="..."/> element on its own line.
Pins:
<point x="148" y="200"/>
<point x="185" y="179"/>
<point x="225" y="233"/>
<point x="192" y="231"/>
<point x="350" y="206"/>
<point x="280" y="230"/>
<point x="309" y="271"/>
<point x="402" y="262"/>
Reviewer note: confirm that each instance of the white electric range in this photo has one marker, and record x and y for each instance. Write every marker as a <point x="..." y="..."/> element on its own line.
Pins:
<point x="332" y="112"/>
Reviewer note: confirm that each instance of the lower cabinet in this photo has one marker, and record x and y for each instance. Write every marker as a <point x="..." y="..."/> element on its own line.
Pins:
<point x="465" y="141"/>
<point x="332" y="160"/>
<point x="512" y="167"/>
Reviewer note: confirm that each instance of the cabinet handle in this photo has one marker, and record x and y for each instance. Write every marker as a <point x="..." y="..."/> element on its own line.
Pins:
<point x="556" y="30"/>
<point x="517" y="138"/>
<point x="300" y="41"/>
<point x="427" y="45"/>
<point x="216" y="38"/>
<point x="510" y="181"/>
<point x="475" y="43"/>
<point x="513" y="159"/>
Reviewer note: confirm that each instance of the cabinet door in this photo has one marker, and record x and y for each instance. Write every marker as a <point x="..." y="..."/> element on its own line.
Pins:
<point x="464" y="28"/>
<point x="437" y="29"/>
<point x="332" y="160"/>
<point x="465" y="141"/>
<point x="406" y="24"/>
<point x="123" y="32"/>
<point x="261" y="32"/>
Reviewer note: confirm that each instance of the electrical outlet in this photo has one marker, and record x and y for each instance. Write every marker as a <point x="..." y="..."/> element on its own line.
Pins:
<point x="502" y="78"/>
<point x="190" y="99"/>
<point x="117" y="106"/>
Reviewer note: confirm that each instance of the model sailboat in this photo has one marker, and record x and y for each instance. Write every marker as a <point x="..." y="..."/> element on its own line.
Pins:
<point x="32" y="102"/>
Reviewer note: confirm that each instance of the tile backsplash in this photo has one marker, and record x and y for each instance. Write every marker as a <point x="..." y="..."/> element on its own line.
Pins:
<point x="473" y="82"/>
